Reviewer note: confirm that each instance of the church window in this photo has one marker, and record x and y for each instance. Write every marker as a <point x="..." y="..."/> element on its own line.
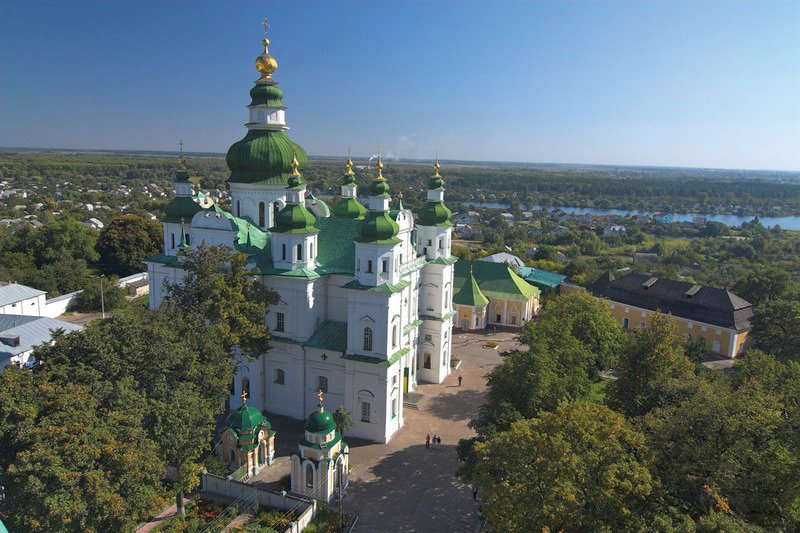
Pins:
<point x="299" y="252"/>
<point x="625" y="322"/>
<point x="309" y="476"/>
<point x="401" y="259"/>
<point x="394" y="336"/>
<point x="384" y="266"/>
<point x="446" y="299"/>
<point x="280" y="376"/>
<point x="246" y="386"/>
<point x="427" y="363"/>
<point x="369" y="266"/>
<point x="311" y="250"/>
<point x="188" y="239"/>
<point x="424" y="251"/>
<point x="365" y="411"/>
<point x="238" y="208"/>
<point x="275" y="208"/>
<point x="715" y="347"/>
<point x="429" y="301"/>
<point x="283" y="252"/>
<point x="498" y="318"/>
<point x="262" y="215"/>
<point x="322" y="383"/>
<point x="173" y="240"/>
<point x="280" y="321"/>
<point x="232" y="456"/>
<point x="429" y="242"/>
<point x="513" y="320"/>
<point x="441" y="243"/>
<point x="368" y="339"/>
<point x="428" y="337"/>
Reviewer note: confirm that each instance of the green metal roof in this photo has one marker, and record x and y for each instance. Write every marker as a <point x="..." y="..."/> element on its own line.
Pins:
<point x="435" y="214"/>
<point x="377" y="360"/>
<point x="294" y="218"/>
<point x="470" y="294"/>
<point x="320" y="422"/>
<point x="245" y="419"/>
<point x="264" y="156"/>
<point x="383" y="287"/>
<point x="349" y="208"/>
<point x="180" y="207"/>
<point x="330" y="335"/>
<point x="266" y="94"/>
<point x="495" y="280"/>
<point x="537" y="276"/>
<point x="378" y="228"/>
<point x="336" y="242"/>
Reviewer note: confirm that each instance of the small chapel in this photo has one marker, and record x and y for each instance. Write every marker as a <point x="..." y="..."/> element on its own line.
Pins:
<point x="247" y="439"/>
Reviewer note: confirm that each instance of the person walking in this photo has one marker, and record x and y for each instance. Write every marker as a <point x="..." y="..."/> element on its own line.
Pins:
<point x="435" y="441"/>
<point x="459" y="380"/>
<point x="428" y="441"/>
<point x="438" y="442"/>
<point x="475" y="493"/>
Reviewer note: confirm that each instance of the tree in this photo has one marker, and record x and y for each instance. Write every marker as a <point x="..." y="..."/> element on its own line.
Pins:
<point x="583" y="317"/>
<point x="126" y="241"/>
<point x="171" y="370"/>
<point x="69" y="462"/>
<point x="738" y="444"/>
<point x="776" y="328"/>
<point x="696" y="350"/>
<point x="581" y="468"/>
<point x="342" y="417"/>
<point x="63" y="239"/>
<point x="91" y="299"/>
<point x="217" y="287"/>
<point x="763" y="284"/>
<point x="651" y="356"/>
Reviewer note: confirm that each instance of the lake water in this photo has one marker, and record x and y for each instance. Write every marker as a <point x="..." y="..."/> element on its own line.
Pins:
<point x="792" y="223"/>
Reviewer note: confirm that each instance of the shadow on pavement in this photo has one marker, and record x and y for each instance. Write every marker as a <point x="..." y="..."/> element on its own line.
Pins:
<point x="418" y="492"/>
<point x="461" y="405"/>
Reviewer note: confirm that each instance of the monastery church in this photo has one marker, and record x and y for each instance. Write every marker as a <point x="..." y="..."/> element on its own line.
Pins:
<point x="365" y="310"/>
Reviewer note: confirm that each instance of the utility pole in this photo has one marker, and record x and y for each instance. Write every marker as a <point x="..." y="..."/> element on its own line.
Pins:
<point x="102" y="300"/>
<point x="339" y="467"/>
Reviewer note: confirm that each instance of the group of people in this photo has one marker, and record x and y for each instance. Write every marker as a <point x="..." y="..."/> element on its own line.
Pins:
<point x="437" y="442"/>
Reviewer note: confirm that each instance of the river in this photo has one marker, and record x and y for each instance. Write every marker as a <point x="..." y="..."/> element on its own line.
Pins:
<point x="792" y="223"/>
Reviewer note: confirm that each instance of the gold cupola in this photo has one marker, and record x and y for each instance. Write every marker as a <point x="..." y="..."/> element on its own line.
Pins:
<point x="265" y="63"/>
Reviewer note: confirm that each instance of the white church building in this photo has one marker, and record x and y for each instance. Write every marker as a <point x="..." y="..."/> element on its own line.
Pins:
<point x="365" y="310"/>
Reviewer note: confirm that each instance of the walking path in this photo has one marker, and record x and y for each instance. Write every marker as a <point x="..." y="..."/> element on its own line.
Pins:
<point x="163" y="515"/>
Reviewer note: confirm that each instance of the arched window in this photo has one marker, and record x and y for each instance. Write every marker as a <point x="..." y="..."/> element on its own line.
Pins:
<point x="299" y="252"/>
<point x="283" y="252"/>
<point x="262" y="215"/>
<point x="173" y="240"/>
<point x="311" y="250"/>
<point x="309" y="476"/>
<point x="188" y="239"/>
<point x="246" y="386"/>
<point x="275" y="208"/>
<point x="238" y="208"/>
<point x="280" y="376"/>
<point x="322" y="383"/>
<point x="394" y="336"/>
<point x="427" y="363"/>
<point x="232" y="456"/>
<point x="368" y="339"/>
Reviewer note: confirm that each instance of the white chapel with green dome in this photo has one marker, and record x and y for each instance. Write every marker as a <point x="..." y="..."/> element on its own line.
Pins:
<point x="365" y="309"/>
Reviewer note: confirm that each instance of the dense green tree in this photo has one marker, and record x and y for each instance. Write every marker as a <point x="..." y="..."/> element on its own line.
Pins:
<point x="763" y="284"/>
<point x="650" y="356"/>
<point x="582" y="468"/>
<point x="735" y="443"/>
<point x="69" y="462"/>
<point x="62" y="239"/>
<point x="217" y="287"/>
<point x="343" y="418"/>
<point x="170" y="369"/>
<point x="776" y="328"/>
<point x="93" y="299"/>
<point x="61" y="277"/>
<point x="126" y="241"/>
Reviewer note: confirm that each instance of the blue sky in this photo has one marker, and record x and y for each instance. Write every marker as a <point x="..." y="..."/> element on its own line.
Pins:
<point x="711" y="84"/>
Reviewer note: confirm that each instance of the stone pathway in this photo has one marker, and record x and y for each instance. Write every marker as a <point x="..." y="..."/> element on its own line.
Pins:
<point x="163" y="515"/>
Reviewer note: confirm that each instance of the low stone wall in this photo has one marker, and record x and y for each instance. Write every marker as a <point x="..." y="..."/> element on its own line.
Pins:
<point x="59" y="305"/>
<point x="215" y="487"/>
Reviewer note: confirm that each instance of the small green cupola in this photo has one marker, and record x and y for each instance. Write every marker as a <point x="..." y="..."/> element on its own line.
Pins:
<point x="247" y="439"/>
<point x="295" y="217"/>
<point x="349" y="206"/>
<point x="182" y="207"/>
<point x="435" y="213"/>
<point x="378" y="227"/>
<point x="265" y="154"/>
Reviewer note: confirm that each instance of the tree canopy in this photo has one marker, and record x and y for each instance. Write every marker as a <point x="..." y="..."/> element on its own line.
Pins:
<point x="126" y="241"/>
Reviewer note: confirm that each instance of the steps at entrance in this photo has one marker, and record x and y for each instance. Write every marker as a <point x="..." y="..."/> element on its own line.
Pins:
<point x="414" y="400"/>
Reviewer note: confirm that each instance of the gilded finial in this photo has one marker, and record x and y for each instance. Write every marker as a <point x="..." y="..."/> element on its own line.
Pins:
<point x="470" y="270"/>
<point x="295" y="164"/>
<point x="244" y="396"/>
<point x="265" y="63"/>
<point x="379" y="166"/>
<point x="181" y="159"/>
<point x="349" y="164"/>
<point x="319" y="396"/>
<point x="400" y="195"/>
<point x="436" y="167"/>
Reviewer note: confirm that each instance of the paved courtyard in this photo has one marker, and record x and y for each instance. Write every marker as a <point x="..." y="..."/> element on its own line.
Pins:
<point x="401" y="486"/>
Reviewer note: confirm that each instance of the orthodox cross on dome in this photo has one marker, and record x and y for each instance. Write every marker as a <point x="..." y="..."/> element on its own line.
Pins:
<point x="244" y="396"/>
<point x="319" y="396"/>
<point x="181" y="159"/>
<point x="266" y="26"/>
<point x="436" y="166"/>
<point x="379" y="166"/>
<point x="295" y="163"/>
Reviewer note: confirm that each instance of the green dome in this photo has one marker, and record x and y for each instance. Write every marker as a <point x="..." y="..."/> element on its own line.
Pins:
<point x="266" y="95"/>
<point x="378" y="228"/>
<point x="264" y="156"/>
<point x="349" y="179"/>
<point x="320" y="422"/>
<point x="435" y="214"/>
<point x="245" y="419"/>
<point x="294" y="218"/>
<point x="182" y="175"/>
<point x="349" y="208"/>
<point x="379" y="187"/>
<point x="181" y="207"/>
<point x="436" y="183"/>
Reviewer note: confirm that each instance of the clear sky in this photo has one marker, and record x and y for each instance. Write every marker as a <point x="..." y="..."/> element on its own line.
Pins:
<point x="711" y="84"/>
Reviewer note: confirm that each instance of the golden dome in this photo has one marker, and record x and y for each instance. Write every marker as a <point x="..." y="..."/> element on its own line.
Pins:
<point x="265" y="63"/>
